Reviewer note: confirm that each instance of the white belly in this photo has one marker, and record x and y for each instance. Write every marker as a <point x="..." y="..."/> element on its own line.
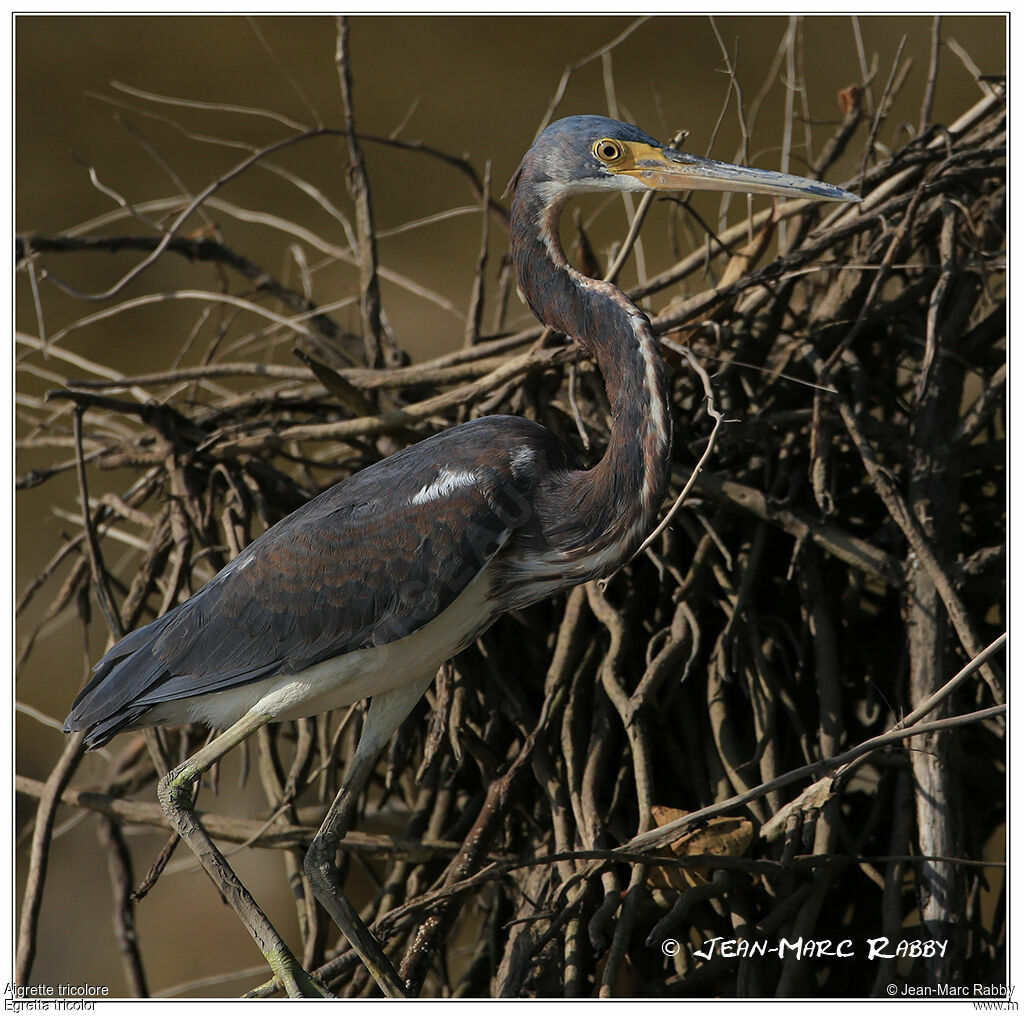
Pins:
<point x="339" y="682"/>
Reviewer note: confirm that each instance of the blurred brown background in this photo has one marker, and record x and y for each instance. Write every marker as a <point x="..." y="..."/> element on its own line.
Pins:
<point x="468" y="85"/>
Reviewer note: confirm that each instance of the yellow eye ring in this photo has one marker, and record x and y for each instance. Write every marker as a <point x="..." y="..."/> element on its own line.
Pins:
<point x="608" y="150"/>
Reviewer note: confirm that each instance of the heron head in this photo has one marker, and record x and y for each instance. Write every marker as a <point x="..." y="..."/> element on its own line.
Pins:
<point x="582" y="154"/>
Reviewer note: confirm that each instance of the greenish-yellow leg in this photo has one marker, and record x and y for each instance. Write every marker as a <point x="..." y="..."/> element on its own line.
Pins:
<point x="386" y="712"/>
<point x="175" y="793"/>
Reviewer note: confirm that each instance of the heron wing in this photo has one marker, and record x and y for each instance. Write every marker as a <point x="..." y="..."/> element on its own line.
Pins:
<point x="365" y="563"/>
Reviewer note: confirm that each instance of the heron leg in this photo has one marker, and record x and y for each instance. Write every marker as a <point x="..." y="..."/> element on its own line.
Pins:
<point x="175" y="794"/>
<point x="384" y="717"/>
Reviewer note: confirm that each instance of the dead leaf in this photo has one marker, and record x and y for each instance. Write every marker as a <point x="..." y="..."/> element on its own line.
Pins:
<point x="723" y="836"/>
<point x="813" y="798"/>
<point x="747" y="257"/>
<point x="740" y="263"/>
<point x="849" y="97"/>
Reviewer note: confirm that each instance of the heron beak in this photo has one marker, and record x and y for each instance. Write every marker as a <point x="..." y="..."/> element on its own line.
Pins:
<point x="668" y="169"/>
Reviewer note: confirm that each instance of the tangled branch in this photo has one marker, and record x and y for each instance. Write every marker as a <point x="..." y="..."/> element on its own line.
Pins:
<point x="770" y="656"/>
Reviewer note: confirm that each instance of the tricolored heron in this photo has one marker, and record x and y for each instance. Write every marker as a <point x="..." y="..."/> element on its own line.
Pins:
<point x="367" y="589"/>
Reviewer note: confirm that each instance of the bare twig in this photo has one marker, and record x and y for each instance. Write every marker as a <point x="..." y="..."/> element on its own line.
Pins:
<point x="747" y="665"/>
<point x="928" y="103"/>
<point x="359" y="188"/>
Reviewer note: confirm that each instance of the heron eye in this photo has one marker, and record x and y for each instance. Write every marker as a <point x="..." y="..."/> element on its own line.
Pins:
<point x="607" y="150"/>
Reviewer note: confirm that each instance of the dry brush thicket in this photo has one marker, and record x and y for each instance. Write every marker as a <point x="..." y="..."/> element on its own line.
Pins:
<point x="751" y="676"/>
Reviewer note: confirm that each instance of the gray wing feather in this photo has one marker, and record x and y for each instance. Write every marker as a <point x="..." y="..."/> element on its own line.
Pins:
<point x="363" y="564"/>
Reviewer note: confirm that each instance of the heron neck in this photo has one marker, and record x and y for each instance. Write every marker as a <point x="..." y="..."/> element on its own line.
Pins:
<point x="620" y="497"/>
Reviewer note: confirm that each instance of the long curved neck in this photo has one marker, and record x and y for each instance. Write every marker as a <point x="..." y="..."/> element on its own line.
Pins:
<point x="609" y="509"/>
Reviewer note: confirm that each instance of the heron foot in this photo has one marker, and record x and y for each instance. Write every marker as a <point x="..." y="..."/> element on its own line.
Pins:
<point x="294" y="978"/>
<point x="322" y="875"/>
<point x="175" y="794"/>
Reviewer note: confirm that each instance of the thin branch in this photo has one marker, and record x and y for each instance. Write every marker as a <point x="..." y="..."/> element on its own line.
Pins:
<point x="359" y="189"/>
<point x="180" y="219"/>
<point x="32" y="900"/>
<point x="664" y="835"/>
<point x="928" y="102"/>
